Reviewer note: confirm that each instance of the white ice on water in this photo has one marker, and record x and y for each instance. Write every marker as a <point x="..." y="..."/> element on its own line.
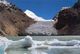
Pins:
<point x="52" y="46"/>
<point x="6" y="43"/>
<point x="27" y="41"/>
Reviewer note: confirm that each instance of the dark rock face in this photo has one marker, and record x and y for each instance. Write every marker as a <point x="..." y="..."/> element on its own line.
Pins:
<point x="69" y="21"/>
<point x="77" y="5"/>
<point x="13" y="21"/>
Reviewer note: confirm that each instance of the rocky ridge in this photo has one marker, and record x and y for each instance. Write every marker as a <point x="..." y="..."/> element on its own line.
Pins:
<point x="13" y="21"/>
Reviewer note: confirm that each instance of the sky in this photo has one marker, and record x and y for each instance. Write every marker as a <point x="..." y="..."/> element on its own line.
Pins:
<point x="43" y="8"/>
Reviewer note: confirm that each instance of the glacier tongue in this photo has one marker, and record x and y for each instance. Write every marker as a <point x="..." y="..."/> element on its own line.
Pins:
<point x="42" y="27"/>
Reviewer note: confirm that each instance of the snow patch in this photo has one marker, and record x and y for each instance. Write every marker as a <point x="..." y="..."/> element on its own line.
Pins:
<point x="33" y="15"/>
<point x="65" y="8"/>
<point x="5" y="2"/>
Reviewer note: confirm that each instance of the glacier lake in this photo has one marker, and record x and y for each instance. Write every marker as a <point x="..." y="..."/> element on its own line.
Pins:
<point x="45" y="49"/>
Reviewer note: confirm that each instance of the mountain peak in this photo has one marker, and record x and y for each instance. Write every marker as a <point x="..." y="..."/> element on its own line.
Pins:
<point x="33" y="15"/>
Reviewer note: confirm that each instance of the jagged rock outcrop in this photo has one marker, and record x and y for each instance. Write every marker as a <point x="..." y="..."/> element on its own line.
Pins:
<point x="77" y="5"/>
<point x="69" y="21"/>
<point x="13" y="21"/>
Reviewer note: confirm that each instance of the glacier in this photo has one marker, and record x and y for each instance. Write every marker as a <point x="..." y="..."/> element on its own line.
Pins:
<point x="42" y="26"/>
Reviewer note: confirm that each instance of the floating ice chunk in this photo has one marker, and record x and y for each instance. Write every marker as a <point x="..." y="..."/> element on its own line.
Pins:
<point x="28" y="41"/>
<point x="73" y="42"/>
<point x="4" y="42"/>
<point x="25" y="42"/>
<point x="55" y="42"/>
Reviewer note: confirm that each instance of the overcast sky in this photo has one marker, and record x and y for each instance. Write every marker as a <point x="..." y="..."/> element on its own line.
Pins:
<point x="43" y="8"/>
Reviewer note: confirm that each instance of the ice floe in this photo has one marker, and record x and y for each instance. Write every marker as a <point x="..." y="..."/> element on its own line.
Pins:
<point x="51" y="45"/>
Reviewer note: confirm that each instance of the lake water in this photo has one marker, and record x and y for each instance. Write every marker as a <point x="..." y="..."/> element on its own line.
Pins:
<point x="43" y="50"/>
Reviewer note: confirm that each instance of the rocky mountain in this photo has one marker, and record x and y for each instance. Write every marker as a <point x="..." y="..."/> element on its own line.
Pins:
<point x="13" y="21"/>
<point x="77" y="5"/>
<point x="69" y="20"/>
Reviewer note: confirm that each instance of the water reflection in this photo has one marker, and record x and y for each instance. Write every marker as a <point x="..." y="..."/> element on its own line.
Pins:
<point x="17" y="51"/>
<point x="37" y="51"/>
<point x="25" y="51"/>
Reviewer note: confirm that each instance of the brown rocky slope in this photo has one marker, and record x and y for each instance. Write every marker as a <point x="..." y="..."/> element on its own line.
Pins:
<point x="13" y="21"/>
<point x="69" y="20"/>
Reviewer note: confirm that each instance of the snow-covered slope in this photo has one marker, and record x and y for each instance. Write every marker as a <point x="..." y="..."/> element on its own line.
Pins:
<point x="33" y="15"/>
<point x="42" y="26"/>
<point x="4" y="2"/>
